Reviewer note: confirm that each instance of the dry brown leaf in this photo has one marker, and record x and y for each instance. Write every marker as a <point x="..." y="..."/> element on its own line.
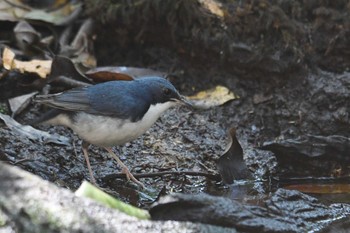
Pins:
<point x="7" y="57"/>
<point x="212" y="97"/>
<point x="110" y="73"/>
<point x="39" y="67"/>
<point x="320" y="188"/>
<point x="27" y="131"/>
<point x="213" y="7"/>
<point x="231" y="164"/>
<point x="19" y="103"/>
<point x="56" y="12"/>
<point x="10" y="13"/>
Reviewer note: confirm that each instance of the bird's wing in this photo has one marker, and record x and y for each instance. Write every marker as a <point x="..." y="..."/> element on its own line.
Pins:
<point x="111" y="99"/>
<point x="120" y="99"/>
<point x="72" y="100"/>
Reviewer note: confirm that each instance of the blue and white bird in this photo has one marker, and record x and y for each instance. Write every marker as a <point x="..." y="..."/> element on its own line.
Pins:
<point x="111" y="113"/>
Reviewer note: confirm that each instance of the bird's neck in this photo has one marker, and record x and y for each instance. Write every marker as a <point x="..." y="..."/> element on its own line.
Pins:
<point x="154" y="112"/>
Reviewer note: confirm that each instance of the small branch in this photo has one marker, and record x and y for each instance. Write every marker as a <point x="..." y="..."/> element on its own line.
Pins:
<point x="215" y="177"/>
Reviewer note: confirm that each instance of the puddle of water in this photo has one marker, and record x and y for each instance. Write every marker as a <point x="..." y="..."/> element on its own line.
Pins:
<point x="328" y="190"/>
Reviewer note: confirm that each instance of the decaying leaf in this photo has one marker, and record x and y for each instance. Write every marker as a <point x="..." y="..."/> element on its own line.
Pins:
<point x="32" y="133"/>
<point x="110" y="73"/>
<point x="10" y="13"/>
<point x="57" y="12"/>
<point x="231" y="164"/>
<point x="19" y="103"/>
<point x="64" y="69"/>
<point x="212" y="97"/>
<point x="7" y="58"/>
<point x="40" y="67"/>
<point x="320" y="188"/>
<point x="29" y="40"/>
<point x="213" y="7"/>
<point x="26" y="35"/>
<point x="81" y="48"/>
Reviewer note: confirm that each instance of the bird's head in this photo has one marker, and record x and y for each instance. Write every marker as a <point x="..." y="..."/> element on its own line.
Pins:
<point x="163" y="91"/>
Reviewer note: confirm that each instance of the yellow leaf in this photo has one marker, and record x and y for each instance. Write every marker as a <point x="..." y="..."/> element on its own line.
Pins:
<point x="39" y="67"/>
<point x="8" y="56"/>
<point x="212" y="97"/>
<point x="213" y="7"/>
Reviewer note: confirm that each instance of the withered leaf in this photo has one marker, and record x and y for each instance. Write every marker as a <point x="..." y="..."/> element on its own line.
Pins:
<point x="63" y="66"/>
<point x="19" y="103"/>
<point x="320" y="188"/>
<point x="60" y="12"/>
<point x="231" y="165"/>
<point x="110" y="73"/>
<point x="26" y="36"/>
<point x="40" y="67"/>
<point x="212" y="97"/>
<point x="28" y="131"/>
<point x="213" y="7"/>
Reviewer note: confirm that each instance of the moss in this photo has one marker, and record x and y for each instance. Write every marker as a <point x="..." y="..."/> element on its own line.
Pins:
<point x="3" y="219"/>
<point x="3" y="108"/>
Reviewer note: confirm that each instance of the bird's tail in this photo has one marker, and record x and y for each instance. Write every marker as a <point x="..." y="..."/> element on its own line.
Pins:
<point x="52" y="113"/>
<point x="45" y="99"/>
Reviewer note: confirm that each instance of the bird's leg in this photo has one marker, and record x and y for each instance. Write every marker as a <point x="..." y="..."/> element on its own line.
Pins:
<point x="85" y="146"/>
<point x="125" y="169"/>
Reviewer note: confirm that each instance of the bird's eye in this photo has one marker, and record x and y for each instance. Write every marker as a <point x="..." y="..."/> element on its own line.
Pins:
<point x="166" y="91"/>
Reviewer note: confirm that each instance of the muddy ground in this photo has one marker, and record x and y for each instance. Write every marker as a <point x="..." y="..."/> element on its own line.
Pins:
<point x="292" y="117"/>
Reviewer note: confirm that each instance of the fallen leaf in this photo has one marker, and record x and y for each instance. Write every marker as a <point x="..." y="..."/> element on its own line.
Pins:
<point x="54" y="12"/>
<point x="63" y="66"/>
<point x="212" y="97"/>
<point x="7" y="58"/>
<point x="231" y="164"/>
<point x="28" y="131"/>
<point x="320" y="188"/>
<point x="110" y="73"/>
<point x="10" y="13"/>
<point x="80" y="49"/>
<point x="26" y="36"/>
<point x="61" y="16"/>
<point x="213" y="7"/>
<point x="40" y="67"/>
<point x="88" y="190"/>
<point x="19" y="103"/>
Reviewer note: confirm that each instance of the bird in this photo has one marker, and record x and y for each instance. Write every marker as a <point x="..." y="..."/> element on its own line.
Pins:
<point x="111" y="113"/>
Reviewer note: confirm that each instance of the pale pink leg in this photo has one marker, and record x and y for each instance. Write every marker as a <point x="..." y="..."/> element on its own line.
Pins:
<point x="85" y="146"/>
<point x="125" y="169"/>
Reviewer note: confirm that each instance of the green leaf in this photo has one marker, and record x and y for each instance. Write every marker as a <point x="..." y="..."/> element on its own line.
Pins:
<point x="88" y="190"/>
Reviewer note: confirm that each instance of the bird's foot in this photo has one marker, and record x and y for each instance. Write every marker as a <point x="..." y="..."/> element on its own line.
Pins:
<point x="131" y="177"/>
<point x="125" y="169"/>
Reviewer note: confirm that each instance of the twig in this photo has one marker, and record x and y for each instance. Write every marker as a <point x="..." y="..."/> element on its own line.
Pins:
<point x="215" y="177"/>
<point x="23" y="161"/>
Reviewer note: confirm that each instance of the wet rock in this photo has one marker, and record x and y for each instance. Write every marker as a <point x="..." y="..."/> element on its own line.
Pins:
<point x="311" y="155"/>
<point x="285" y="211"/>
<point x="306" y="211"/>
<point x="262" y="163"/>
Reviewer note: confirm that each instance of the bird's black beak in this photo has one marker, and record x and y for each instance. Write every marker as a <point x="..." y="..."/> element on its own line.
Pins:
<point x="183" y="100"/>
